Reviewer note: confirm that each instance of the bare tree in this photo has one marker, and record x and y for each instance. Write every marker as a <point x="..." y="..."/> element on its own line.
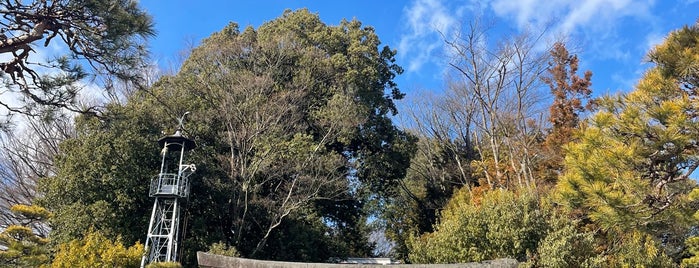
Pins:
<point x="493" y="102"/>
<point x="447" y="120"/>
<point x="27" y="157"/>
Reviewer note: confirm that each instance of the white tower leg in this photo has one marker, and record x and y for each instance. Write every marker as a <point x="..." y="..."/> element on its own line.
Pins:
<point x="161" y="242"/>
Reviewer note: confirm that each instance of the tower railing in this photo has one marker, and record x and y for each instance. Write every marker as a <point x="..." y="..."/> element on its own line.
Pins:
<point x="169" y="184"/>
<point x="172" y="184"/>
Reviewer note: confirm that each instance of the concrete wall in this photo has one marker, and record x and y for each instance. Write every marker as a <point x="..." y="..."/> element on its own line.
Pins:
<point x="207" y="260"/>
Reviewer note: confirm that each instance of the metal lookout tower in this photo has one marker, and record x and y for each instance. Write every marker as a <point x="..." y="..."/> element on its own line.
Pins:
<point x="168" y="187"/>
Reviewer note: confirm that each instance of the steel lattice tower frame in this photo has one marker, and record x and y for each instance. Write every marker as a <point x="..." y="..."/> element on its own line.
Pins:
<point x="168" y="188"/>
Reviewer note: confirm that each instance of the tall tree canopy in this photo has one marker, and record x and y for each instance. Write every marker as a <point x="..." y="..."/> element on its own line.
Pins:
<point x="630" y="169"/>
<point x="107" y="35"/>
<point x="571" y="97"/>
<point x="293" y="125"/>
<point x="102" y="176"/>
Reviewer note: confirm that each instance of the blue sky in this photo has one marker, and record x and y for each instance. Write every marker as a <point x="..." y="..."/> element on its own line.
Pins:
<point x="611" y="37"/>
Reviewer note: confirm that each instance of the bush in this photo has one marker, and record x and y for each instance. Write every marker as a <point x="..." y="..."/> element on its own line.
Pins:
<point x="499" y="224"/>
<point x="223" y="249"/>
<point x="164" y="265"/>
<point x="95" y="250"/>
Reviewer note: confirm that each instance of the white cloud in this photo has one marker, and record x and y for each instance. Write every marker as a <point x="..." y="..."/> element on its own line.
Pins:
<point x="600" y="14"/>
<point x="529" y="13"/>
<point x="601" y="27"/>
<point x="427" y="21"/>
<point x="597" y="22"/>
<point x="571" y="15"/>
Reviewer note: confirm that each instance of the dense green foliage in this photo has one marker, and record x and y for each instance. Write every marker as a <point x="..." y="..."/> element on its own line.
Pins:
<point x="222" y="249"/>
<point x="564" y="245"/>
<point x="693" y="250"/>
<point x="498" y="224"/>
<point x="109" y="190"/>
<point x="301" y="133"/>
<point x="433" y="176"/>
<point x="629" y="173"/>
<point x="505" y="224"/>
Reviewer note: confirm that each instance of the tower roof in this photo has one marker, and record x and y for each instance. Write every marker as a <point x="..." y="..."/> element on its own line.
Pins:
<point x="175" y="141"/>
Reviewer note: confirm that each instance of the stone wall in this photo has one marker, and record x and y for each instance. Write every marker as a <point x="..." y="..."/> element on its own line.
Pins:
<point x="207" y="260"/>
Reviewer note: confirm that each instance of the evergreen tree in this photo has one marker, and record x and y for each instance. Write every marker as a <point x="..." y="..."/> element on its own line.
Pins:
<point x="628" y="175"/>
<point x="103" y="175"/>
<point x="21" y="245"/>
<point x="108" y="35"/>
